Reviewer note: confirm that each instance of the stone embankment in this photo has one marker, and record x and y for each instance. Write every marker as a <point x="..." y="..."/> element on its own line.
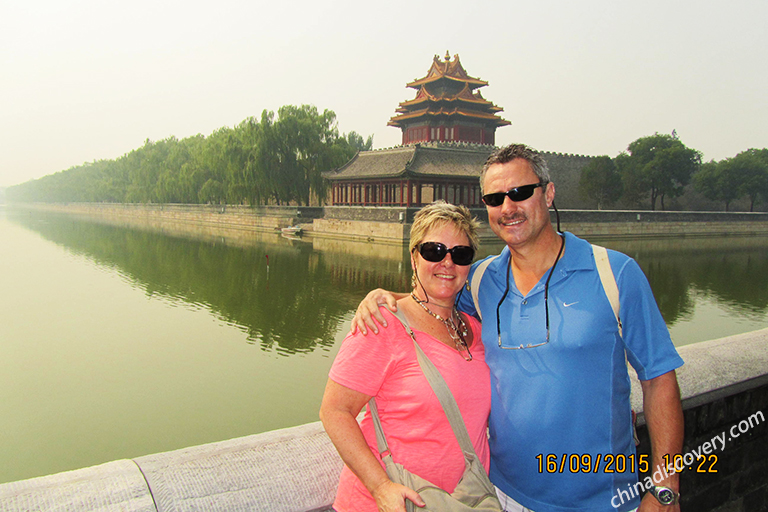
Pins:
<point x="392" y="224"/>
<point x="724" y="386"/>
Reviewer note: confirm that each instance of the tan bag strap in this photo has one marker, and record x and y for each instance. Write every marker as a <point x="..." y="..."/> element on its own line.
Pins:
<point x="612" y="291"/>
<point x="608" y="280"/>
<point x="444" y="395"/>
<point x="474" y="285"/>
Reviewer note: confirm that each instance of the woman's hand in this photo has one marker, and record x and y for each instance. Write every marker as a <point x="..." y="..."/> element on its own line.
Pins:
<point x="390" y="497"/>
<point x="368" y="313"/>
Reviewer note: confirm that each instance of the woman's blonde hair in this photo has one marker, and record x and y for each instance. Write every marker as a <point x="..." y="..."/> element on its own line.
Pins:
<point x="438" y="213"/>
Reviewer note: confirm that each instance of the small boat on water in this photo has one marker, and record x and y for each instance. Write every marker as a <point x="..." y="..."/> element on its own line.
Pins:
<point x="292" y="230"/>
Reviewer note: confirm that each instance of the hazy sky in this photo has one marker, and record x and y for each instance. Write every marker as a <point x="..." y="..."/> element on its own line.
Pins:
<point x="82" y="80"/>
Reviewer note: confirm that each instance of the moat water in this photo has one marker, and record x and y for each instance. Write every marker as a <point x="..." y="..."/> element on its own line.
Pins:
<point x="119" y="342"/>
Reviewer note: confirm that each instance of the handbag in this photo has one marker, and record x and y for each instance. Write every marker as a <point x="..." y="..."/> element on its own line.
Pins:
<point x="474" y="492"/>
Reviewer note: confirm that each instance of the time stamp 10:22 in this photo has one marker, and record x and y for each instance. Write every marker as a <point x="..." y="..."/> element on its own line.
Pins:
<point x="612" y="463"/>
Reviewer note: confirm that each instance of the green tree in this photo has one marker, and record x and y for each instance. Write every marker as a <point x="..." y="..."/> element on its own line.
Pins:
<point x="269" y="159"/>
<point x="661" y="165"/>
<point x="634" y="185"/>
<point x="356" y="140"/>
<point x="716" y="181"/>
<point x="212" y="192"/>
<point x="600" y="181"/>
<point x="245" y="176"/>
<point x="751" y="168"/>
<point x="745" y="174"/>
<point x="297" y="148"/>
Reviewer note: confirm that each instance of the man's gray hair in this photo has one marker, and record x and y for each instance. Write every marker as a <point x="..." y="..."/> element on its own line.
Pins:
<point x="509" y="153"/>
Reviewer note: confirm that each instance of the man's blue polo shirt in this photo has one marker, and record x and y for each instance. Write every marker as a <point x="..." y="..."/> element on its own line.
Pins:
<point x="559" y="408"/>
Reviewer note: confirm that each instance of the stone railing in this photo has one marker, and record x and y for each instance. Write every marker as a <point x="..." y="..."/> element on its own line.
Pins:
<point x="294" y="469"/>
<point x="724" y="385"/>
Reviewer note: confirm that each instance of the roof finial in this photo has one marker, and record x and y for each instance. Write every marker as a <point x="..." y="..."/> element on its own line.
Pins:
<point x="447" y="56"/>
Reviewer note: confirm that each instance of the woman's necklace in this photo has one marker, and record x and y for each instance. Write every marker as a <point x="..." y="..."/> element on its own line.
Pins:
<point x="456" y="332"/>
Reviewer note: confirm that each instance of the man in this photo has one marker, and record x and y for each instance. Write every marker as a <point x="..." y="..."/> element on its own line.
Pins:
<point x="560" y="426"/>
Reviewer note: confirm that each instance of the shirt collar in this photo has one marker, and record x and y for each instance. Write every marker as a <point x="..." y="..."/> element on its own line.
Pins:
<point x="577" y="255"/>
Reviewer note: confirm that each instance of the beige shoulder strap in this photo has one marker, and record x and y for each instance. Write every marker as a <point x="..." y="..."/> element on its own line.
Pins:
<point x="608" y="280"/>
<point x="612" y="291"/>
<point x="474" y="285"/>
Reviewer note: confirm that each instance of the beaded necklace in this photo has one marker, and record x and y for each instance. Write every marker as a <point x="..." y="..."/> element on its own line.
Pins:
<point x="456" y="332"/>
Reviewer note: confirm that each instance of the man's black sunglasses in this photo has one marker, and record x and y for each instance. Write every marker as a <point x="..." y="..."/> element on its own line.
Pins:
<point x="516" y="194"/>
<point x="435" y="252"/>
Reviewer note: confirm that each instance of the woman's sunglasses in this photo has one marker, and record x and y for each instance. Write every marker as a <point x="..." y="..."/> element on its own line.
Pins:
<point x="516" y="194"/>
<point x="435" y="252"/>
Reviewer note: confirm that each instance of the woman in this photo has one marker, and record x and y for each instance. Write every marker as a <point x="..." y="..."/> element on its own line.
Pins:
<point x="442" y="245"/>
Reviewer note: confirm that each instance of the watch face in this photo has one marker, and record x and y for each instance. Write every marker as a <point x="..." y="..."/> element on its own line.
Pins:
<point x="666" y="496"/>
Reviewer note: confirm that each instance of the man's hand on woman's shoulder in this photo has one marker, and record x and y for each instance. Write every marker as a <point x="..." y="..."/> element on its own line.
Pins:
<point x="368" y="314"/>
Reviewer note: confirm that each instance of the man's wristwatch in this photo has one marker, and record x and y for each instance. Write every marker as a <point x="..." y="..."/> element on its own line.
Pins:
<point x="664" y="495"/>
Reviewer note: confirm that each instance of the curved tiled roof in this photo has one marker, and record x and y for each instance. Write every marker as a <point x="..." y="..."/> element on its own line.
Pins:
<point x="448" y="112"/>
<point x="447" y="91"/>
<point x="373" y="164"/>
<point x="450" y="159"/>
<point x="428" y="159"/>
<point x="447" y="69"/>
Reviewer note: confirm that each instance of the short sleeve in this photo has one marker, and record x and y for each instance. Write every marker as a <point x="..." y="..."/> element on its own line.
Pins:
<point x="649" y="347"/>
<point x="363" y="362"/>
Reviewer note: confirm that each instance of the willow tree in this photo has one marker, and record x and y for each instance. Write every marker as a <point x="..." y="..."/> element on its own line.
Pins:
<point x="272" y="158"/>
<point x="297" y="148"/>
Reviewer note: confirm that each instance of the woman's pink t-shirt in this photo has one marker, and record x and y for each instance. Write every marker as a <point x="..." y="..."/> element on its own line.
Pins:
<point x="384" y="366"/>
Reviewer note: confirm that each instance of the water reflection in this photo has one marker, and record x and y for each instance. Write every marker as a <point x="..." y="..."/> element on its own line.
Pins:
<point x="730" y="271"/>
<point x="287" y="297"/>
<point x="290" y="296"/>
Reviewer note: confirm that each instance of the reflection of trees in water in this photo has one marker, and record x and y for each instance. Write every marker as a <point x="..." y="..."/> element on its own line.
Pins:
<point x="295" y="305"/>
<point x="738" y="280"/>
<point x="670" y="289"/>
<point x="298" y="304"/>
<point x="733" y="272"/>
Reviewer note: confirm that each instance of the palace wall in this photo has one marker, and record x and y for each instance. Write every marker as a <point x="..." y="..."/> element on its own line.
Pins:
<point x="565" y="171"/>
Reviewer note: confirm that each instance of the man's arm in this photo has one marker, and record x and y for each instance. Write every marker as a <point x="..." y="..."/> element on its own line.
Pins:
<point x="368" y="313"/>
<point x="664" y="418"/>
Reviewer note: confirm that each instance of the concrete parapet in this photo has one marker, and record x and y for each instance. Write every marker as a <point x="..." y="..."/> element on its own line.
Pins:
<point x="723" y="383"/>
<point x="117" y="485"/>
<point x="290" y="470"/>
<point x="724" y="387"/>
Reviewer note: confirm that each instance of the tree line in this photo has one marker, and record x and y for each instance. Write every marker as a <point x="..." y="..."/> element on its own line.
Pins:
<point x="660" y="167"/>
<point x="279" y="159"/>
<point x="272" y="160"/>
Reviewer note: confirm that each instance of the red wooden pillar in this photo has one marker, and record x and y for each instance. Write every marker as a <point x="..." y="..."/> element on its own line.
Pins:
<point x="410" y="193"/>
